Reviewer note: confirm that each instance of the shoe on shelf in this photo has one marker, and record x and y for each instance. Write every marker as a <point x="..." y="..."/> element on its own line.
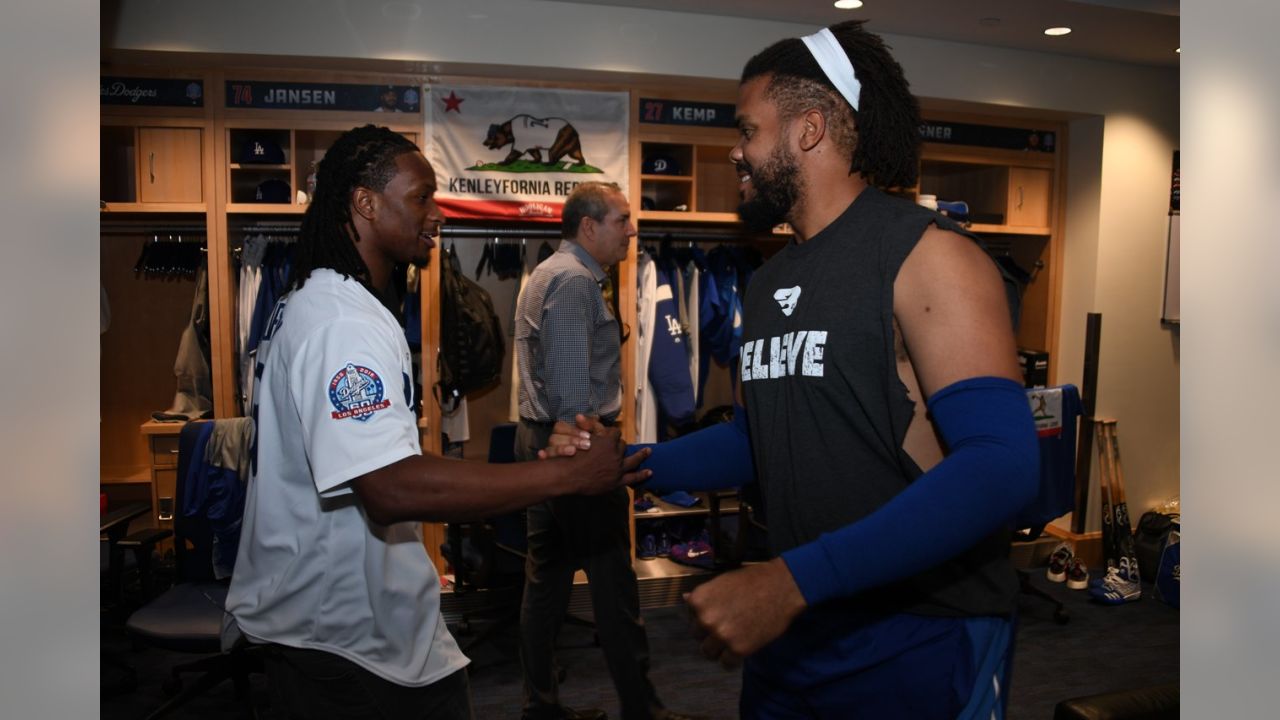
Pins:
<point x="664" y="544"/>
<point x="564" y="713"/>
<point x="1077" y="574"/>
<point x="696" y="552"/>
<point x="1058" y="562"/>
<point x="648" y="548"/>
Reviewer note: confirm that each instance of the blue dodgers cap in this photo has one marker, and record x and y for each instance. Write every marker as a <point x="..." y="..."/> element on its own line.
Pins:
<point x="660" y="165"/>
<point x="273" y="190"/>
<point x="261" y="150"/>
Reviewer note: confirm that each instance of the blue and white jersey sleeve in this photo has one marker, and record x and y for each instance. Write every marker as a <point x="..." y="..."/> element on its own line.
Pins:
<point x="351" y="384"/>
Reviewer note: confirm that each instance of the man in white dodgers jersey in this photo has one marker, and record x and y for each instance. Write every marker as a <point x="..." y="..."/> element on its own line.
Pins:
<point x="331" y="572"/>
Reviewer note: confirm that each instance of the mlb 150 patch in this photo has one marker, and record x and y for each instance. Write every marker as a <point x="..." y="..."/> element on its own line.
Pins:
<point x="356" y="392"/>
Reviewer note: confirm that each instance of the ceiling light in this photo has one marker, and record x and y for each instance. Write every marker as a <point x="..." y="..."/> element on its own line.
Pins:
<point x="1057" y="31"/>
<point x="848" y="4"/>
<point x="1179" y="51"/>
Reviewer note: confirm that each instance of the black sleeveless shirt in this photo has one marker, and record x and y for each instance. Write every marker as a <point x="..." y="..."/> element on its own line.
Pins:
<point x="829" y="412"/>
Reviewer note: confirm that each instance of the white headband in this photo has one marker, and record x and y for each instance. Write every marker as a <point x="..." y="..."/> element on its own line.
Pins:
<point x="835" y="63"/>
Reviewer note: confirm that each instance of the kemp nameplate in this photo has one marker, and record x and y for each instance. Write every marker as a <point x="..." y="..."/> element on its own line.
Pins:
<point x="683" y="112"/>
<point x="152" y="92"/>
<point x="987" y="136"/>
<point x="323" y="96"/>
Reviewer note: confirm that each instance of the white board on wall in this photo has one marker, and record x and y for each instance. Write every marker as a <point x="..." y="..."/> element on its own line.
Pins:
<point x="1170" y="313"/>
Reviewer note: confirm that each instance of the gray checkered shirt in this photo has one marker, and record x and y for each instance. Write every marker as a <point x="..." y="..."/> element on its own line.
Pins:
<point x="567" y="344"/>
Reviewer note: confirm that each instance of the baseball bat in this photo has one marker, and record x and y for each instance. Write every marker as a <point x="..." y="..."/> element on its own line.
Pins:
<point x="1109" y="547"/>
<point x="1120" y="508"/>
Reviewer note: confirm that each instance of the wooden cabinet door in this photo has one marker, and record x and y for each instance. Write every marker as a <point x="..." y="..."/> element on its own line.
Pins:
<point x="1030" y="190"/>
<point x="170" y="167"/>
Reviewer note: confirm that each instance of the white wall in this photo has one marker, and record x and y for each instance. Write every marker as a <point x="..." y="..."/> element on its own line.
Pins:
<point x="1119" y="156"/>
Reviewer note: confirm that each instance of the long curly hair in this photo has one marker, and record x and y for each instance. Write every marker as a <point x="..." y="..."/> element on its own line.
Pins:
<point x="882" y="138"/>
<point x="361" y="157"/>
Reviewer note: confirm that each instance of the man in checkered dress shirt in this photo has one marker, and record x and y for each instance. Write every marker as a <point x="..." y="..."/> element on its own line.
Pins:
<point x="568" y="357"/>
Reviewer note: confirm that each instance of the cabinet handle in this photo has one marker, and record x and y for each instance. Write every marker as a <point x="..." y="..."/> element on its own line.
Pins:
<point x="1019" y="197"/>
<point x="151" y="161"/>
<point x="173" y="452"/>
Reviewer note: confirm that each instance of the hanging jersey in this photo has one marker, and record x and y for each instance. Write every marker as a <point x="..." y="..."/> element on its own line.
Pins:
<point x="668" y="360"/>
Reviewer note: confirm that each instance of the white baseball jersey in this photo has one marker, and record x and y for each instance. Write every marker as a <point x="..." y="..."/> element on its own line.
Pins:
<point x="334" y="401"/>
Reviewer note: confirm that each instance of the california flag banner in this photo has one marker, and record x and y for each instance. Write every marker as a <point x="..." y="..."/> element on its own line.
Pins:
<point x="516" y="153"/>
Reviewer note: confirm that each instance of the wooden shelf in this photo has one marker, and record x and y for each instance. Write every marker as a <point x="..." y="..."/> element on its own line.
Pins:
<point x="668" y="178"/>
<point x="261" y="166"/>
<point x="1008" y="229"/>
<point x="121" y="208"/>
<point x="155" y="427"/>
<point x="670" y="215"/>
<point x="266" y="208"/>
<point x="667" y="510"/>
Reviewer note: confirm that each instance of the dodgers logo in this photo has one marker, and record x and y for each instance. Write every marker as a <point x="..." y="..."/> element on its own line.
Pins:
<point x="356" y="392"/>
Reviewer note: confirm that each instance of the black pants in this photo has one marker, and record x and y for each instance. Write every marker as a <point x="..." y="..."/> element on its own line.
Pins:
<point x="314" y="684"/>
<point x="589" y="532"/>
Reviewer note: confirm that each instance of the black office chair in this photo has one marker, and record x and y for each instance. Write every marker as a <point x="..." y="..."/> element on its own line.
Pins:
<point x="121" y="558"/>
<point x="189" y="616"/>
<point x="122" y="555"/>
<point x="1057" y="412"/>
<point x="488" y="558"/>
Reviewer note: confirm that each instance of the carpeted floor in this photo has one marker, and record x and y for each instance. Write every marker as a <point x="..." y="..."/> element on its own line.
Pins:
<point x="1101" y="649"/>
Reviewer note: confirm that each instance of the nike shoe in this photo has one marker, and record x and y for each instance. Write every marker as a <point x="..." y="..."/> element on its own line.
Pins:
<point x="696" y="552"/>
<point x="1077" y="574"/>
<point x="1058" y="563"/>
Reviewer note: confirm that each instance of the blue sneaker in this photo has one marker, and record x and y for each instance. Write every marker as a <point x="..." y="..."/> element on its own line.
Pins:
<point x="1121" y="585"/>
<point x="648" y="548"/>
<point x="664" y="544"/>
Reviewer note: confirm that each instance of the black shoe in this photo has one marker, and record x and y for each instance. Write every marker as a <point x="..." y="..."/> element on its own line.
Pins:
<point x="564" y="713"/>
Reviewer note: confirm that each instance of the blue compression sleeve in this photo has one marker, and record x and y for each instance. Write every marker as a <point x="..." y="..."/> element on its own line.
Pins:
<point x="713" y="458"/>
<point x="989" y="475"/>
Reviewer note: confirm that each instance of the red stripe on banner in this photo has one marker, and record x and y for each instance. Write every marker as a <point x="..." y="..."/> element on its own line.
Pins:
<point x="1050" y="432"/>
<point x="531" y="211"/>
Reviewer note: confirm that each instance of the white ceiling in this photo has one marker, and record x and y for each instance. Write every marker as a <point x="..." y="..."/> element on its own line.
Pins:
<point x="1132" y="31"/>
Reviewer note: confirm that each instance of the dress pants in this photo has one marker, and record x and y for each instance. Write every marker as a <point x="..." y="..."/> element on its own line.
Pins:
<point x="566" y="533"/>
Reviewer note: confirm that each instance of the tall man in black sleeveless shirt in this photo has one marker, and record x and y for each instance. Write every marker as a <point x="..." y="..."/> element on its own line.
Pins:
<point x="888" y="427"/>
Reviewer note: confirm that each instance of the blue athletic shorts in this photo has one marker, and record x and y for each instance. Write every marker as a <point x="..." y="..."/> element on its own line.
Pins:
<point x="898" y="666"/>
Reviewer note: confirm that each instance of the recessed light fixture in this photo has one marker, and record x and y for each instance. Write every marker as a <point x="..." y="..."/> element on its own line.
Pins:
<point x="1055" y="31"/>
<point x="1179" y="51"/>
<point x="848" y="4"/>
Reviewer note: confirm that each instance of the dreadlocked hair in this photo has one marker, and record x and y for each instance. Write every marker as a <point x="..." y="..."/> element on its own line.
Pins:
<point x="361" y="157"/>
<point x="883" y="136"/>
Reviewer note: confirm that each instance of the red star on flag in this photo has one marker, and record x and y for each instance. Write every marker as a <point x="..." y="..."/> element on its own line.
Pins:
<point x="453" y="102"/>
